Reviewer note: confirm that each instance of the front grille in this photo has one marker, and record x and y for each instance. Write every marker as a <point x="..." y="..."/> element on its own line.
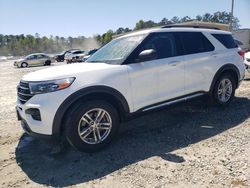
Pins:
<point x="23" y="92"/>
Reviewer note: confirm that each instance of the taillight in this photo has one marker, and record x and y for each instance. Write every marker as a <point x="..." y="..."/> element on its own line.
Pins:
<point x="241" y="53"/>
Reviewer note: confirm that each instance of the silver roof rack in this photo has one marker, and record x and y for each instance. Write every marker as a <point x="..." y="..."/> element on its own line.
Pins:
<point x="189" y="26"/>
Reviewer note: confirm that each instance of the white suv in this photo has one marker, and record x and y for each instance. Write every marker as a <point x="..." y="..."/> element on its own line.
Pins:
<point x="73" y="56"/>
<point x="138" y="72"/>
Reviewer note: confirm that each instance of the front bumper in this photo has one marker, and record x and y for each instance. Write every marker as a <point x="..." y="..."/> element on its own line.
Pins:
<point x="27" y="129"/>
<point x="46" y="105"/>
<point x="15" y="63"/>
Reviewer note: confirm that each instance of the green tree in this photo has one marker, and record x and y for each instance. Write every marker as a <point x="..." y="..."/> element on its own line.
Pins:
<point x="107" y="36"/>
<point x="185" y="19"/>
<point x="145" y="24"/>
<point x="175" y="20"/>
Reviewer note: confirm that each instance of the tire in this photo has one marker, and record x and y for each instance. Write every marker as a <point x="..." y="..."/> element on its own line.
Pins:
<point x="82" y="121"/>
<point x="224" y="90"/>
<point x="47" y="63"/>
<point x="24" y="64"/>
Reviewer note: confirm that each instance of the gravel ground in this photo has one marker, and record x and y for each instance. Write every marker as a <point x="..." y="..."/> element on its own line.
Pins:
<point x="189" y="145"/>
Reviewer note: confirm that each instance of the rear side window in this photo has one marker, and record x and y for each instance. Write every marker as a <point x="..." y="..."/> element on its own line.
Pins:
<point x="194" y="42"/>
<point x="226" y="39"/>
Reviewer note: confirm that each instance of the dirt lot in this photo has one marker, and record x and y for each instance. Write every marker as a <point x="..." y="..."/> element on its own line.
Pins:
<point x="190" y="145"/>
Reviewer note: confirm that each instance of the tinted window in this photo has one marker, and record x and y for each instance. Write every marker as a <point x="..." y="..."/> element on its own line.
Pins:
<point x="32" y="57"/>
<point x="77" y="52"/>
<point x="41" y="56"/>
<point x="194" y="42"/>
<point x="226" y="39"/>
<point x="163" y="44"/>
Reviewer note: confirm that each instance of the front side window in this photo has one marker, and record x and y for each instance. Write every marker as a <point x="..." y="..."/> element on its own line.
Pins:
<point x="163" y="43"/>
<point x="116" y="51"/>
<point x="194" y="42"/>
<point x="40" y="56"/>
<point x="31" y="57"/>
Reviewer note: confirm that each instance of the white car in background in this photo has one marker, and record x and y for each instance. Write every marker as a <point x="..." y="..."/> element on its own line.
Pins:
<point x="3" y="58"/>
<point x="88" y="54"/>
<point x="247" y="63"/>
<point x="74" y="56"/>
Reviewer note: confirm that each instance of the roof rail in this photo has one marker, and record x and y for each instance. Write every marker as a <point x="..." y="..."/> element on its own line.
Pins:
<point x="190" y="26"/>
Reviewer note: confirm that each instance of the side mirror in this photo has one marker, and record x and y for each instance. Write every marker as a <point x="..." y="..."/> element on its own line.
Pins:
<point x="147" y="55"/>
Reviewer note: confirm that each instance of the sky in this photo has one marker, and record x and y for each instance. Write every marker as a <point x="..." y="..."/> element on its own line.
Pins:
<point x="90" y="17"/>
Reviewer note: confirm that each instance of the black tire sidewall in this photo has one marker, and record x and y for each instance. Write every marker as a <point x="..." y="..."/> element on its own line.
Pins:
<point x="71" y="129"/>
<point x="24" y="63"/>
<point x="47" y="62"/>
<point x="215" y="91"/>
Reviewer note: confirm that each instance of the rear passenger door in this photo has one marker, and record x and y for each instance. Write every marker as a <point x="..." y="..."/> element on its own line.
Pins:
<point x="40" y="59"/>
<point x="198" y="57"/>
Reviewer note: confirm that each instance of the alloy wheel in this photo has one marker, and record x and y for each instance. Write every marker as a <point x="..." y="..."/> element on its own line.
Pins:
<point x="94" y="126"/>
<point x="225" y="90"/>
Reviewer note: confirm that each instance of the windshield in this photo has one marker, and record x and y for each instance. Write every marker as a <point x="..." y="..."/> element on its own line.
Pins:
<point x="28" y="56"/>
<point x="116" y="51"/>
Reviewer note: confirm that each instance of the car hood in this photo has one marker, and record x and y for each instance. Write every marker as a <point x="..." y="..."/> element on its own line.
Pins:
<point x="19" y="60"/>
<point x="65" y="71"/>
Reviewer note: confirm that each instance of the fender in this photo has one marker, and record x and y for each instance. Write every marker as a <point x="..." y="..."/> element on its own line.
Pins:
<point x="226" y="67"/>
<point x="57" y="122"/>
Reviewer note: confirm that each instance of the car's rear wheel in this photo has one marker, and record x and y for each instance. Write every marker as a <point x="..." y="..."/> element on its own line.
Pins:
<point x="24" y="64"/>
<point x="224" y="89"/>
<point x="92" y="125"/>
<point x="47" y="63"/>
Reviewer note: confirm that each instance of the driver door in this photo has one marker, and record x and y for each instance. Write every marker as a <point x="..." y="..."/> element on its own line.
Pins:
<point x="32" y="60"/>
<point x="159" y="79"/>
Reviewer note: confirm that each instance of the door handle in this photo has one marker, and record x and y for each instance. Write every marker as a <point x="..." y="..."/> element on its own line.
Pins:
<point x="214" y="54"/>
<point x="173" y="63"/>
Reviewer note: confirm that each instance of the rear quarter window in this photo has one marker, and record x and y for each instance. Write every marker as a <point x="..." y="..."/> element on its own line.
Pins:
<point x="226" y="39"/>
<point x="194" y="42"/>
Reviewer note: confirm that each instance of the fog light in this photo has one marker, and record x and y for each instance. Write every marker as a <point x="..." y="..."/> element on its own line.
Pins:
<point x="35" y="113"/>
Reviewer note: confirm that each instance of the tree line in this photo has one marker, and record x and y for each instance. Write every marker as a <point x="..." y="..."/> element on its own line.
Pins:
<point x="217" y="17"/>
<point x="17" y="45"/>
<point x="25" y="44"/>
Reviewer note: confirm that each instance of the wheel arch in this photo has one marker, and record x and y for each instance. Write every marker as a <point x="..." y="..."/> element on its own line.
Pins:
<point x="228" y="68"/>
<point x="90" y="93"/>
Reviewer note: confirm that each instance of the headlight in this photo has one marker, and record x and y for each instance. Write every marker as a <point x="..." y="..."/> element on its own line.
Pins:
<point x="50" y="86"/>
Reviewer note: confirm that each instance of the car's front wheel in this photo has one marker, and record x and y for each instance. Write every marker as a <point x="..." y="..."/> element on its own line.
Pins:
<point x="24" y="64"/>
<point x="92" y="125"/>
<point x="224" y="89"/>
